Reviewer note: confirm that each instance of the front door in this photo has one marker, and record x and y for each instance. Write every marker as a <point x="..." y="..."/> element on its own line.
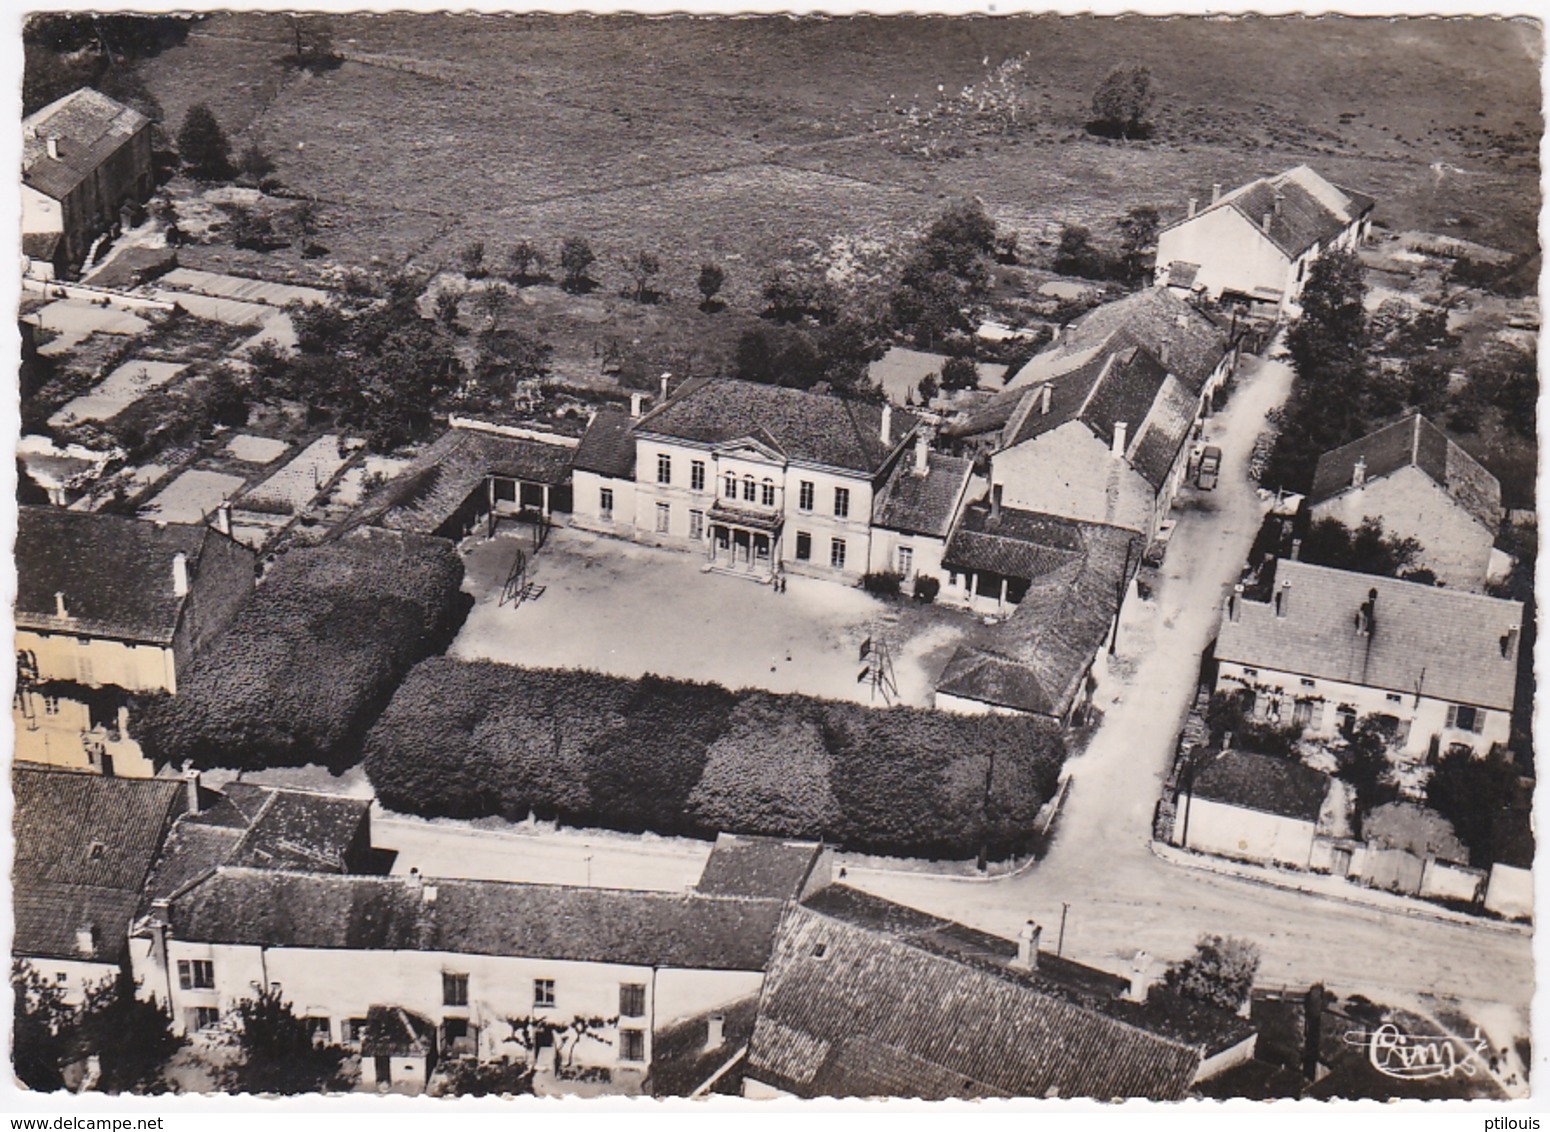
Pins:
<point x="384" y="1069"/>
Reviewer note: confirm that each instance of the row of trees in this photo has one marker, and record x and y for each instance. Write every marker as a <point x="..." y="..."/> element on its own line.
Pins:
<point x="130" y="1038"/>
<point x="526" y="263"/>
<point x="471" y="738"/>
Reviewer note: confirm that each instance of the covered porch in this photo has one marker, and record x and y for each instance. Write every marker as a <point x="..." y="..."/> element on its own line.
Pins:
<point x="743" y="543"/>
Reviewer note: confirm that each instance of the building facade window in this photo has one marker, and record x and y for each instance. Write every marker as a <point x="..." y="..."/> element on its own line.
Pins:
<point x="351" y="1031"/>
<point x="767" y="493"/>
<point x="906" y="561"/>
<point x="196" y="974"/>
<point x="1307" y="682"/>
<point x="805" y="496"/>
<point x="837" y="553"/>
<point x="1462" y="717"/>
<point x="1345" y="717"/>
<point x="664" y="468"/>
<point x="1302" y="713"/>
<point x="749" y="489"/>
<point x="632" y="1045"/>
<point x="664" y="518"/>
<point x="454" y="989"/>
<point x="203" y="1017"/>
<point x="632" y="1000"/>
<point x="696" y="524"/>
<point x="804" y="546"/>
<point x="731" y="486"/>
<point x="841" y="502"/>
<point x="605" y="502"/>
<point x="543" y="993"/>
<point x="1394" y="698"/>
<point x="697" y="475"/>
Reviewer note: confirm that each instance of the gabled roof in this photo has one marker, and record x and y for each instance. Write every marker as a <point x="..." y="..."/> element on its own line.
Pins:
<point x="1411" y="442"/>
<point x="1036" y="660"/>
<point x="608" y="446"/>
<point x="373" y="913"/>
<point x="767" y="867"/>
<point x="1303" y="207"/>
<point x="927" y="504"/>
<point x="115" y="573"/>
<point x="1426" y="640"/>
<point x="84" y="845"/>
<point x="1263" y="783"/>
<point x="851" y="1009"/>
<point x="811" y="428"/>
<point x="89" y="127"/>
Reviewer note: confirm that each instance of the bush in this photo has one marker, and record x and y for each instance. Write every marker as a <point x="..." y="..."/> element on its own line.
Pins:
<point x="884" y="584"/>
<point x="311" y="655"/>
<point x="469" y="738"/>
<point x="926" y="588"/>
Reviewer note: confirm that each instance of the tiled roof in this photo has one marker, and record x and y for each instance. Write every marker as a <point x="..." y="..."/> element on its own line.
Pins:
<point x="90" y="128"/>
<point x="1436" y="642"/>
<point x="1037" y="658"/>
<point x="442" y="477"/>
<point x="924" y="504"/>
<point x="1264" y="783"/>
<point x="1018" y="544"/>
<point x="811" y="428"/>
<point x="1303" y="207"/>
<point x="769" y="867"/>
<point x="849" y="1011"/>
<point x="608" y="447"/>
<point x="392" y="1031"/>
<point x="84" y="844"/>
<point x="1412" y="441"/>
<point x="1415" y="829"/>
<point x="371" y="913"/>
<point x="115" y="573"/>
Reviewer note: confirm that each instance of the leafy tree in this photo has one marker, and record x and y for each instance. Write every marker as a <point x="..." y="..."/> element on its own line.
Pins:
<point x="1364" y="763"/>
<point x="712" y="276"/>
<point x="1076" y="254"/>
<point x="523" y="258"/>
<point x="314" y="42"/>
<point x="576" y="259"/>
<point x="1006" y="248"/>
<point x="472" y="258"/>
<point x="643" y="266"/>
<point x="464" y="1077"/>
<point x="775" y="355"/>
<point x="248" y="228"/>
<point x="40" y="1046"/>
<point x="278" y="1054"/>
<point x="130" y="1037"/>
<point x="1366" y="550"/>
<point x="1470" y="791"/>
<point x="928" y="389"/>
<point x="959" y="373"/>
<point x="202" y="145"/>
<point x="449" y="301"/>
<point x="792" y="296"/>
<point x="491" y="301"/>
<point x="1508" y="378"/>
<point x="506" y="358"/>
<point x="1121" y="103"/>
<point x="929" y="307"/>
<point x="1220" y="972"/>
<point x="964" y="225"/>
<point x="1138" y="239"/>
<point x="254" y="163"/>
<point x="1426" y="383"/>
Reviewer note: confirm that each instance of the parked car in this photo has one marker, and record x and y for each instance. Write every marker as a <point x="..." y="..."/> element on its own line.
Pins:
<point x="1210" y="468"/>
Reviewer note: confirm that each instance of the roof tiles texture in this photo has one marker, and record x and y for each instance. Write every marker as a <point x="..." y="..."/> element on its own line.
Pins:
<point x="89" y="127"/>
<point x="1302" y="207"/>
<point x="443" y="476"/>
<point x="766" y="867"/>
<point x="608" y="446"/>
<point x="1264" y="783"/>
<point x="923" y="504"/>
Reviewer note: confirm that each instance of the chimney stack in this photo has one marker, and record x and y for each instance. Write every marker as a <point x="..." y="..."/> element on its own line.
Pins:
<point x="1193" y="206"/>
<point x="995" y="503"/>
<point x="1162" y="353"/>
<point x="665" y="378"/>
<point x="123" y="722"/>
<point x="1279" y="197"/>
<point x="1140" y="978"/>
<point x="180" y="574"/>
<point x="1359" y="472"/>
<point x="922" y="453"/>
<point x="885" y="430"/>
<point x="1216" y="192"/>
<point x="53" y="147"/>
<point x="1510" y="642"/>
<point x="1121" y="435"/>
<point x="1028" y="947"/>
<point x="190" y="778"/>
<point x="1296" y="550"/>
<point x="1265" y="222"/>
<point x="59" y="606"/>
<point x="635" y="400"/>
<point x="428" y="894"/>
<point x="715" y="1031"/>
<point x="223" y="517"/>
<point x="1044" y="398"/>
<point x="1283" y="598"/>
<point x="1235" y="602"/>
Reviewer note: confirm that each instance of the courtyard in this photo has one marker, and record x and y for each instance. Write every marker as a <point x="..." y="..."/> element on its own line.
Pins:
<point x="617" y="607"/>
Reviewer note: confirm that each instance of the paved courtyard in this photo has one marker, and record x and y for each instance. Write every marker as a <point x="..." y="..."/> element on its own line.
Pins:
<point x="626" y="609"/>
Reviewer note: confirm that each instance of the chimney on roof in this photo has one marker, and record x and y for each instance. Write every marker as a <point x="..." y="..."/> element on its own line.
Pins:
<point x="223" y="517"/>
<point x="180" y="574"/>
<point x="665" y="378"/>
<point x="86" y="941"/>
<point x="1265" y="222"/>
<point x="885" y="430"/>
<point x="1121" y="435"/>
<point x="53" y="147"/>
<point x="1510" y="642"/>
<point x="1283" y="598"/>
<point x="1359" y="472"/>
<point x="995" y="503"/>
<point x="414" y="878"/>
<point x="1193" y="207"/>
<point x="1279" y="197"/>
<point x="1140" y="978"/>
<point x="1296" y="550"/>
<point x="1216" y="192"/>
<point x="59" y="606"/>
<point x="922" y="453"/>
<point x="635" y="400"/>
<point x="1028" y="947"/>
<point x="123" y="722"/>
<point x="1044" y="398"/>
<point x="1235" y="602"/>
<point x="191" y="785"/>
<point x="1162" y="353"/>
<point x="1367" y="614"/>
<point x="715" y="1031"/>
<point x="428" y="894"/>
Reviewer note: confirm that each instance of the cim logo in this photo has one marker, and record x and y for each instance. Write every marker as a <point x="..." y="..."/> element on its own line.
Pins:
<point x="1416" y="1057"/>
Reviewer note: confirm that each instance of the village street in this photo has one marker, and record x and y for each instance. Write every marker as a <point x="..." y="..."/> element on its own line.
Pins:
<point x="1116" y="895"/>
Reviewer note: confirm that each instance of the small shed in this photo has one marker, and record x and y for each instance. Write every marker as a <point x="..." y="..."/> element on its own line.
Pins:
<point x="398" y="1050"/>
<point x="1252" y="807"/>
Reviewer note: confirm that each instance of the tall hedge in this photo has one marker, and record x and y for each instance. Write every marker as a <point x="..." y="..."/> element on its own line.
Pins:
<point x="468" y="738"/>
<point x="312" y="655"/>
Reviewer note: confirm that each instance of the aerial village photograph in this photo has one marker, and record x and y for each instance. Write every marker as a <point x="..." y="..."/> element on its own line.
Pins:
<point x="934" y="558"/>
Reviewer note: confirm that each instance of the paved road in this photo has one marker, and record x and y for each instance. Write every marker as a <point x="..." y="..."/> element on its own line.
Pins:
<point x="1122" y="898"/>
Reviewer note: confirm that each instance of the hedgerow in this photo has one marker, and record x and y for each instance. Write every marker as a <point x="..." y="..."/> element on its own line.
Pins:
<point x="312" y="655"/>
<point x="471" y="738"/>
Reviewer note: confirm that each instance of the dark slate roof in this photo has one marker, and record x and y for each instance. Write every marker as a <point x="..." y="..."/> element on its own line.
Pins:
<point x="608" y="446"/>
<point x="1412" y="441"/>
<point x="600" y="925"/>
<point x="1303" y="207"/>
<point x="1017" y="544"/>
<point x="767" y="867"/>
<point x="810" y="428"/>
<point x="849" y="1011"/>
<point x="115" y="573"/>
<point x="91" y="128"/>
<point x="924" y="505"/>
<point x="1264" y="783"/>
<point x="84" y="845"/>
<point x="1035" y="661"/>
<point x="1445" y="644"/>
<point x="441" y="479"/>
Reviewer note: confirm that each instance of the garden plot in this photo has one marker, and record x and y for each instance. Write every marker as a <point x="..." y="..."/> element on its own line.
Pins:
<point x="121" y="389"/>
<point x="240" y="288"/>
<point x="192" y="496"/>
<point x="256" y="449"/>
<point x="352" y="486"/>
<point x="75" y="320"/>
<point x="299" y="482"/>
<point x="230" y="311"/>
